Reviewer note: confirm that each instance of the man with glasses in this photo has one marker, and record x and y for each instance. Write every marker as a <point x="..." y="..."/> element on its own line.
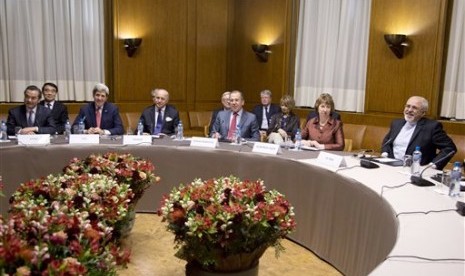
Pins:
<point x="30" y="118"/>
<point x="416" y="130"/>
<point x="58" y="109"/>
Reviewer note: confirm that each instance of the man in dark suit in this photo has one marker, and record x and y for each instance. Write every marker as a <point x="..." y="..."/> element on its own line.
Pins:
<point x="416" y="130"/>
<point x="265" y="110"/>
<point x="58" y="109"/>
<point x="160" y="118"/>
<point x="100" y="116"/>
<point x="31" y="117"/>
<point x="227" y="122"/>
<point x="226" y="106"/>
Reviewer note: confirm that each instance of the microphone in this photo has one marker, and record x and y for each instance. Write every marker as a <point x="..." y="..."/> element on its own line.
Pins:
<point x="387" y="143"/>
<point x="420" y="181"/>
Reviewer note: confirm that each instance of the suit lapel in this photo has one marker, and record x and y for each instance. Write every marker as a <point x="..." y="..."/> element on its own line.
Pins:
<point x="416" y="132"/>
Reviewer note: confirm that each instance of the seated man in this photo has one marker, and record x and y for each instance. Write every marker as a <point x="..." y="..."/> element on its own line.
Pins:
<point x="226" y="106"/>
<point x="58" y="109"/>
<point x="160" y="118"/>
<point x="100" y="116"/>
<point x="416" y="130"/>
<point x="264" y="111"/>
<point x="31" y="117"/>
<point x="227" y="122"/>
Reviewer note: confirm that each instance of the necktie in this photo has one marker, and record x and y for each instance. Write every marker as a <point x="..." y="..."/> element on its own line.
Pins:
<point x="98" y="116"/>
<point x="30" y="119"/>
<point x="159" y="123"/>
<point x="49" y="106"/>
<point x="232" y="126"/>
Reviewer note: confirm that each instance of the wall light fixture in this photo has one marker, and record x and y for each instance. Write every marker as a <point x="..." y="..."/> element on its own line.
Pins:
<point x="262" y="51"/>
<point x="397" y="43"/>
<point x="131" y="45"/>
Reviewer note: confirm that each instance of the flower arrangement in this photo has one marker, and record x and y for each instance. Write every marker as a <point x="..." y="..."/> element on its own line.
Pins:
<point x="218" y="222"/>
<point x="62" y="225"/>
<point x="124" y="168"/>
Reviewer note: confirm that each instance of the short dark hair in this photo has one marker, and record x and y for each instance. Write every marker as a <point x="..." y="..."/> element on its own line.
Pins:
<point x="50" y="84"/>
<point x="33" y="88"/>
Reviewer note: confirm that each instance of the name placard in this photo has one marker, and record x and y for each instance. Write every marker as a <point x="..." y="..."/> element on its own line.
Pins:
<point x="266" y="148"/>
<point x="88" y="139"/>
<point x="204" y="142"/>
<point x="331" y="160"/>
<point x="37" y="139"/>
<point x="137" y="140"/>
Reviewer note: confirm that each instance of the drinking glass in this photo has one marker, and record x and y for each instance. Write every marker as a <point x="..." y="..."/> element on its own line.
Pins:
<point x="76" y="129"/>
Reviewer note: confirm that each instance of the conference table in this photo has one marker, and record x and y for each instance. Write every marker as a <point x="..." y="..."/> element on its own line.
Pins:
<point x="356" y="219"/>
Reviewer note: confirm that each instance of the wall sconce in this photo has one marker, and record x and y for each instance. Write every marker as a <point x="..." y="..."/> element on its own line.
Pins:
<point x="262" y="51"/>
<point x="131" y="45"/>
<point x="397" y="43"/>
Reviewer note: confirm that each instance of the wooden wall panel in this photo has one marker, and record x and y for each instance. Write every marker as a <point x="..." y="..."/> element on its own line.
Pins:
<point x="391" y="81"/>
<point x="265" y="22"/>
<point x="213" y="32"/>
<point x="161" y="61"/>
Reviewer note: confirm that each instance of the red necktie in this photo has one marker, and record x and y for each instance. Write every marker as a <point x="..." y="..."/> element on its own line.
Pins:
<point x="232" y="126"/>
<point x="98" y="116"/>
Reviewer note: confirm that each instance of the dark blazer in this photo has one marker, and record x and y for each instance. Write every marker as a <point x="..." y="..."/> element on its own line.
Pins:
<point x="110" y="121"/>
<point x="170" y="119"/>
<point x="429" y="135"/>
<point x="290" y="128"/>
<point x="313" y="114"/>
<point x="247" y="123"/>
<point x="59" y="114"/>
<point x="43" y="120"/>
<point x="258" y="111"/>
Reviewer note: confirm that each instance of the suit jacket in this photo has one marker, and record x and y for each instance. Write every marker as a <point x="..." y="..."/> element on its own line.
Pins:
<point x="43" y="119"/>
<point x="248" y="124"/>
<point x="213" y="118"/>
<point x="258" y="111"/>
<point x="110" y="120"/>
<point x="290" y="128"/>
<point x="59" y="114"/>
<point x="170" y="119"/>
<point x="429" y="135"/>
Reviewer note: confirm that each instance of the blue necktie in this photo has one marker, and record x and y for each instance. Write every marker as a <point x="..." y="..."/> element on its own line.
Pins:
<point x="30" y="119"/>
<point x="159" y="123"/>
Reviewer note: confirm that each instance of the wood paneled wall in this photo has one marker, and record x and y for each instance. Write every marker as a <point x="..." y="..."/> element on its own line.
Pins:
<point x="391" y="81"/>
<point x="184" y="50"/>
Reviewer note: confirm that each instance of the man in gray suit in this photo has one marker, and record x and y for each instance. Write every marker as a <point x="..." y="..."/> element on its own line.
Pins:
<point x="227" y="122"/>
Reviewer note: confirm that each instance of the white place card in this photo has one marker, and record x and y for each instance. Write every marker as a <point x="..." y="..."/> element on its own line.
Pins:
<point x="331" y="160"/>
<point x="137" y="140"/>
<point x="88" y="139"/>
<point x="204" y="142"/>
<point x="37" y="139"/>
<point x="266" y="148"/>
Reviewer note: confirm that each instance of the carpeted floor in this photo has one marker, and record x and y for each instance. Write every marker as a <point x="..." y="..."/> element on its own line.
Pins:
<point x="153" y="254"/>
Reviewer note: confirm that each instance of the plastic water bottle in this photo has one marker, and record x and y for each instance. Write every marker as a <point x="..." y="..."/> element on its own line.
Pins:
<point x="81" y="127"/>
<point x="455" y="175"/>
<point x="298" y="139"/>
<point x="3" y="132"/>
<point x="238" y="135"/>
<point x="416" y="159"/>
<point x="67" y="130"/>
<point x="140" y="128"/>
<point x="180" y="131"/>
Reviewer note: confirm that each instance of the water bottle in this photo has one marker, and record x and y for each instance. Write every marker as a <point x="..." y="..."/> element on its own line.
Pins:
<point x="298" y="139"/>
<point x="3" y="132"/>
<point x="81" y="127"/>
<point x="455" y="175"/>
<point x="238" y="135"/>
<point x="180" y="131"/>
<point x="140" y="128"/>
<point x="416" y="159"/>
<point x="67" y="130"/>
